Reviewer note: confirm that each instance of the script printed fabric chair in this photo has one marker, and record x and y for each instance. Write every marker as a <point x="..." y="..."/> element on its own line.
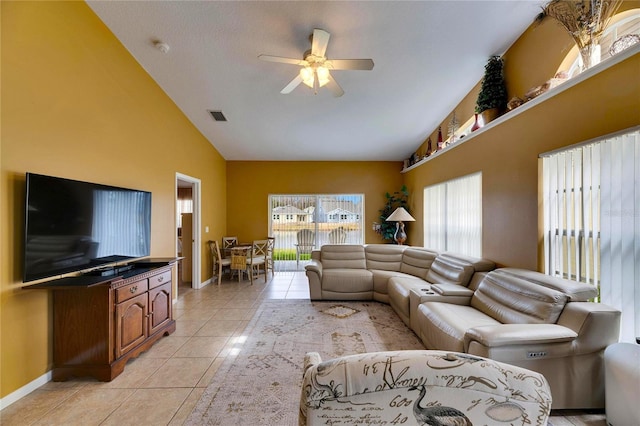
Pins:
<point x="257" y="258"/>
<point x="306" y="242"/>
<point x="269" y="261"/>
<point x="338" y="236"/>
<point x="421" y="387"/>
<point x="218" y="262"/>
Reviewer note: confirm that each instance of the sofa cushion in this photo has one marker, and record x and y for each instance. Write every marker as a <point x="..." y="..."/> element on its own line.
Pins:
<point x="417" y="261"/>
<point x="511" y="300"/>
<point x="384" y="257"/>
<point x="449" y="270"/>
<point x="381" y="279"/>
<point x="347" y="280"/>
<point x="398" y="290"/>
<point x="576" y="291"/>
<point x="346" y="256"/>
<point x="443" y="325"/>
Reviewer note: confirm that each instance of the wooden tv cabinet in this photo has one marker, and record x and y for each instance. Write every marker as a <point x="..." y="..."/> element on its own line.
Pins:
<point x="100" y="322"/>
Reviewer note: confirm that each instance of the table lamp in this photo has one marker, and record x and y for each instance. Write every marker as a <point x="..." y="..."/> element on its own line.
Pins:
<point x="400" y="215"/>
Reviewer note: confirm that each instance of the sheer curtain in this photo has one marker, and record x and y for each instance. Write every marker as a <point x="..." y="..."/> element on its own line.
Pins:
<point x="592" y="220"/>
<point x="620" y="229"/>
<point x="453" y="215"/>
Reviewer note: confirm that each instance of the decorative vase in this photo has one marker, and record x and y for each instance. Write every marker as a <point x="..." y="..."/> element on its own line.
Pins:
<point x="429" y="148"/>
<point x="488" y="115"/>
<point x="476" y="124"/>
<point x="590" y="55"/>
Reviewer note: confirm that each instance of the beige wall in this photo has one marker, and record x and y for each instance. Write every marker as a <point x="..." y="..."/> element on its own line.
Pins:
<point x="249" y="184"/>
<point x="75" y="104"/>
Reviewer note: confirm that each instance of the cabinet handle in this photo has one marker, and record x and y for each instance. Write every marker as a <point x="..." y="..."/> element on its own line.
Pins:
<point x="160" y="278"/>
<point x="133" y="289"/>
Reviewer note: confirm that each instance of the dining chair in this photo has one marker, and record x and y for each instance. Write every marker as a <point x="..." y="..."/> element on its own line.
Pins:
<point x="228" y="242"/>
<point x="306" y="242"/>
<point x="270" y="261"/>
<point x="240" y="257"/>
<point x="338" y="236"/>
<point x="218" y="262"/>
<point x="258" y="257"/>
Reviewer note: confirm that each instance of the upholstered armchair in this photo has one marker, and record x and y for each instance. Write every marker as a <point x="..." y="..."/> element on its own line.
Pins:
<point x="421" y="387"/>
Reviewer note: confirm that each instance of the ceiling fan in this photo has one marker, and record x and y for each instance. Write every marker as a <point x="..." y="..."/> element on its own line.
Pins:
<point x="315" y="65"/>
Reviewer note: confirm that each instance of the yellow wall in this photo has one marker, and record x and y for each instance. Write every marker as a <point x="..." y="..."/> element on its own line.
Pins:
<point x="76" y="104"/>
<point x="249" y="184"/>
<point x="507" y="155"/>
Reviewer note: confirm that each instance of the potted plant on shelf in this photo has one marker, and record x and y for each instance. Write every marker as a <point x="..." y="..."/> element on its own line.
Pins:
<point x="492" y="99"/>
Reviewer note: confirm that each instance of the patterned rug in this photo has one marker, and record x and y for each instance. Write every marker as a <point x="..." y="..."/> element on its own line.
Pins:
<point x="260" y="385"/>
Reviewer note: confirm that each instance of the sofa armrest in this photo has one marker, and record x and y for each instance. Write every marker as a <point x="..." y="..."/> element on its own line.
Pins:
<point x="597" y="325"/>
<point x="518" y="334"/>
<point x="313" y="271"/>
<point x="451" y="290"/>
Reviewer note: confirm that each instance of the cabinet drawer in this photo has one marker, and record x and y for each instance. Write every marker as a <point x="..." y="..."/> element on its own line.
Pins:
<point x="159" y="279"/>
<point x="131" y="290"/>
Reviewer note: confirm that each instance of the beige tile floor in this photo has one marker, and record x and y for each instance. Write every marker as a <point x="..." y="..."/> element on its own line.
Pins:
<point x="162" y="386"/>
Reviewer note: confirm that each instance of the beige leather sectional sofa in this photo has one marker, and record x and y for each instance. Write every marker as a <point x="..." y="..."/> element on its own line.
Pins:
<point x="463" y="304"/>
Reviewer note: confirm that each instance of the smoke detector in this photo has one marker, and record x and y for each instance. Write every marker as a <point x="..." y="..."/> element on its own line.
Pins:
<point x="163" y="47"/>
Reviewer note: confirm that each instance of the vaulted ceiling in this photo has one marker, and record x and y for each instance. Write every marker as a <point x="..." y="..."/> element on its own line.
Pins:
<point x="428" y="55"/>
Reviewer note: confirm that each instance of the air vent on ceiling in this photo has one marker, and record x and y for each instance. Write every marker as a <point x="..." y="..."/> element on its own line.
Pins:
<point x="218" y="115"/>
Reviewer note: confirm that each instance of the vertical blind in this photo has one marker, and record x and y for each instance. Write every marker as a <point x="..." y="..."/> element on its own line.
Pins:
<point x="453" y="215"/>
<point x="592" y="220"/>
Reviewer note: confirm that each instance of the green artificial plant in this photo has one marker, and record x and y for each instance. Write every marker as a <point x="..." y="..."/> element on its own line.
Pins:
<point x="395" y="200"/>
<point x="493" y="91"/>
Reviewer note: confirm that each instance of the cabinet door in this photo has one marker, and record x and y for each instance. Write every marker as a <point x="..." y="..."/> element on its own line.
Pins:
<point x="160" y="306"/>
<point x="131" y="323"/>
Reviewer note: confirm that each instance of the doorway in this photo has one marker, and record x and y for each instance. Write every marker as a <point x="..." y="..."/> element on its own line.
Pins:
<point x="188" y="231"/>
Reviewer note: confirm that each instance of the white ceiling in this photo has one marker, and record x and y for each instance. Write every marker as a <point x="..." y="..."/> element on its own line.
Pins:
<point x="428" y="55"/>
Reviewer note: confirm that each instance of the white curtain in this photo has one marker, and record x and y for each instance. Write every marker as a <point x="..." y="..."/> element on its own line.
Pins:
<point x="592" y="220"/>
<point x="435" y="236"/>
<point x="571" y="215"/>
<point x="620" y="227"/>
<point x="453" y="215"/>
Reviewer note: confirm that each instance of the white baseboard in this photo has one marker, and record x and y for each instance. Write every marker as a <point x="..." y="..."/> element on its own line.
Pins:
<point x="25" y="390"/>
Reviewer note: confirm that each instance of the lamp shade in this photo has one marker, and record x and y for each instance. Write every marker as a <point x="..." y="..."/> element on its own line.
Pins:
<point x="400" y="215"/>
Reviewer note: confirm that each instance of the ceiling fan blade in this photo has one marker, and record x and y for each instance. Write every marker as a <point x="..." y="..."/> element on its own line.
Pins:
<point x="292" y="85"/>
<point x="282" y="60"/>
<point x="334" y="87"/>
<point x="350" y="64"/>
<point x="319" y="42"/>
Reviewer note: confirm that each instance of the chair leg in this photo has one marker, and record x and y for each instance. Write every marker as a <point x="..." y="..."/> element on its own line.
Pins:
<point x="219" y="273"/>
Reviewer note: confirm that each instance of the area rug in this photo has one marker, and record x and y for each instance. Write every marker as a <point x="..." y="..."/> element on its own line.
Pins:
<point x="260" y="385"/>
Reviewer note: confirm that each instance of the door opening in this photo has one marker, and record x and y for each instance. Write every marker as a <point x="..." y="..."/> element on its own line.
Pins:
<point x="188" y="231"/>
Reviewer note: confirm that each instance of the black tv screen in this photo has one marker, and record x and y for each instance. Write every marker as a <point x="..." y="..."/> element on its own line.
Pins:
<point x="73" y="225"/>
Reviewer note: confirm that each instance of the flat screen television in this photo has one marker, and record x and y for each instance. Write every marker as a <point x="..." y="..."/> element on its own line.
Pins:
<point x="73" y="226"/>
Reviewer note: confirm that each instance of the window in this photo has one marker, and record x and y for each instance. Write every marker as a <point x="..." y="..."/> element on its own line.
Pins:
<point x="627" y="24"/>
<point x="320" y="213"/>
<point x="592" y="220"/>
<point x="453" y="215"/>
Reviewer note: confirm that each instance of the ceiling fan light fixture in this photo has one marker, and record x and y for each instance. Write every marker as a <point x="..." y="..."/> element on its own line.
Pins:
<point x="307" y="76"/>
<point x="323" y="75"/>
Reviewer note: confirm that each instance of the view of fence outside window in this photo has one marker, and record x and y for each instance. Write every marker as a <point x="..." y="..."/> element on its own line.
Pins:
<point x="329" y="218"/>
